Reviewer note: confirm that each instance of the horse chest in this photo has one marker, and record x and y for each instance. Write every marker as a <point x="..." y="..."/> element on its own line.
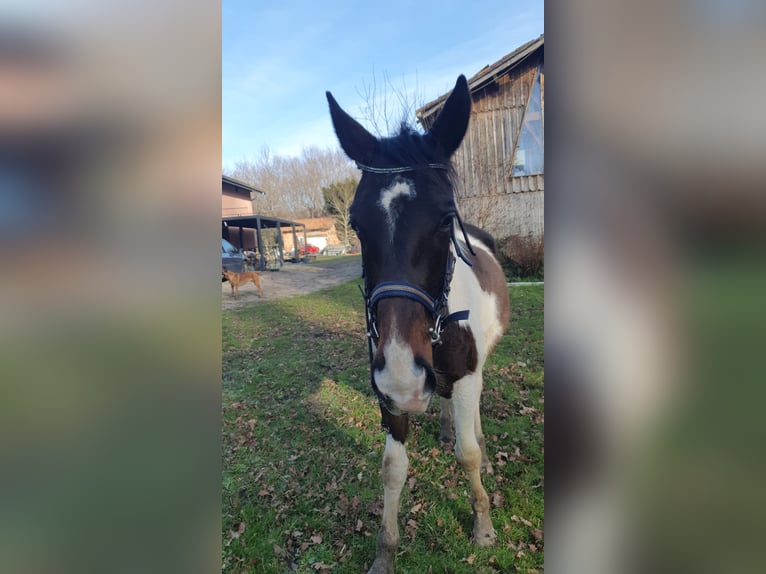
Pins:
<point x="454" y="358"/>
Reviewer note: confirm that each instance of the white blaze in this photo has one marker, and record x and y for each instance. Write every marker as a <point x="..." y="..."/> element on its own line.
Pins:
<point x="400" y="189"/>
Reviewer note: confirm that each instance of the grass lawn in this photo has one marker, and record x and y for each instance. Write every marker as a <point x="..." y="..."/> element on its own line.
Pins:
<point x="334" y="260"/>
<point x="302" y="447"/>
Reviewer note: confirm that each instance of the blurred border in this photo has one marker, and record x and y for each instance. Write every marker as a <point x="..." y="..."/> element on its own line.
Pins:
<point x="654" y="208"/>
<point x="110" y="139"/>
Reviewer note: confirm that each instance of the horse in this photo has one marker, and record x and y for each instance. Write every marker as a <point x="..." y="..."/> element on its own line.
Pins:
<point x="436" y="299"/>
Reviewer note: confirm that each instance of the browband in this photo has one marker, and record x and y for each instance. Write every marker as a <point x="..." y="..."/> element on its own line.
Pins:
<point x="402" y="169"/>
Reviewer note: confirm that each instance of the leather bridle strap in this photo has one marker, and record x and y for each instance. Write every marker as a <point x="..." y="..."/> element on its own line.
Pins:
<point x="401" y="289"/>
<point x="437" y="308"/>
<point x="402" y="169"/>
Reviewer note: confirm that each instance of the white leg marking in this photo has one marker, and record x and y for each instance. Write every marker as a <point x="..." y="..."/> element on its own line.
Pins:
<point x="465" y="399"/>
<point x="395" y="463"/>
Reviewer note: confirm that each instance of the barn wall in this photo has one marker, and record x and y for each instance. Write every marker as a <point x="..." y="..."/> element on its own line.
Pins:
<point x="488" y="195"/>
<point x="233" y="204"/>
<point x="506" y="215"/>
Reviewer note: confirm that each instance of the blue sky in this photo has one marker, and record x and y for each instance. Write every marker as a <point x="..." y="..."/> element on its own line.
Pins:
<point x="279" y="58"/>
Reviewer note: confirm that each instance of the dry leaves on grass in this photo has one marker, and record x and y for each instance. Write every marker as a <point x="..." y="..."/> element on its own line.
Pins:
<point x="238" y="532"/>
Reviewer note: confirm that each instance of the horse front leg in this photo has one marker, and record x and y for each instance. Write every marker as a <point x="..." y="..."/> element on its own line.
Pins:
<point x="468" y="451"/>
<point x="446" y="422"/>
<point x="394" y="474"/>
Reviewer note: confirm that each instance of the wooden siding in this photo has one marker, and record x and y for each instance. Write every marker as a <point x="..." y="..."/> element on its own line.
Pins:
<point x="488" y="195"/>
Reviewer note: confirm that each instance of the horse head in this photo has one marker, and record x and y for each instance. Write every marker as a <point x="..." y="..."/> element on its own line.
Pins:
<point x="404" y="214"/>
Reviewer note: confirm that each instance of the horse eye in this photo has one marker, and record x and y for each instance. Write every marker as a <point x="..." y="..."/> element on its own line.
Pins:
<point x="447" y="221"/>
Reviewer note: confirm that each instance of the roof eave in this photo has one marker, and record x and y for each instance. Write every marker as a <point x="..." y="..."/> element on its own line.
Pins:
<point x="487" y="75"/>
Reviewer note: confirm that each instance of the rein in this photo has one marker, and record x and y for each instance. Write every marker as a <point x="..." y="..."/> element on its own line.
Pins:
<point x="388" y="289"/>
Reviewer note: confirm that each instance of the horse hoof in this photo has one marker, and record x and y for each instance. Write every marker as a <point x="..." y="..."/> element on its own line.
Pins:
<point x="485" y="539"/>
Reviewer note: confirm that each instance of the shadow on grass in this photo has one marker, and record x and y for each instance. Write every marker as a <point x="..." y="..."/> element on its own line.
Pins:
<point x="302" y="451"/>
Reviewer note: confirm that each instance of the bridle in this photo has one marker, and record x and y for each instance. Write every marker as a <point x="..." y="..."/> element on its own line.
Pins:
<point x="436" y="307"/>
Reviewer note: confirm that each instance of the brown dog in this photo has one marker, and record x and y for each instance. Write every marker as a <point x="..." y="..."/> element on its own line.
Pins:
<point x="237" y="279"/>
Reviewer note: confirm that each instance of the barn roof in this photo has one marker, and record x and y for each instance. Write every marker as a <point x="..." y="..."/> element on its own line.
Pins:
<point x="487" y="74"/>
<point x="317" y="223"/>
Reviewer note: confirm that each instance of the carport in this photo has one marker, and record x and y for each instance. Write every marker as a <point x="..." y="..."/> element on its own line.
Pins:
<point x="238" y="229"/>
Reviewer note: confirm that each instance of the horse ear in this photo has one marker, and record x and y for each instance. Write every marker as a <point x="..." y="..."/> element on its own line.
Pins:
<point x="357" y="142"/>
<point x="451" y="124"/>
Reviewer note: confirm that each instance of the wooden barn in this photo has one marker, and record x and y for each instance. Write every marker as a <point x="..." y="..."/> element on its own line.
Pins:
<point x="500" y="164"/>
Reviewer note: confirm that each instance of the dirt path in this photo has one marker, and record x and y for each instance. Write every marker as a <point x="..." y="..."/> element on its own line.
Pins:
<point x="293" y="279"/>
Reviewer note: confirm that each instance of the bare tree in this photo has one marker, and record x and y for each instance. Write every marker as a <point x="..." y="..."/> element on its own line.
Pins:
<point x="293" y="185"/>
<point x="338" y="199"/>
<point x="385" y="119"/>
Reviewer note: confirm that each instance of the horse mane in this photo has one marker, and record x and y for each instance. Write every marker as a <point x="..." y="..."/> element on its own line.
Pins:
<point x="411" y="147"/>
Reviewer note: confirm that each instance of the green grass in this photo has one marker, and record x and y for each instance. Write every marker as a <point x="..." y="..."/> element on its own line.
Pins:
<point x="334" y="260"/>
<point x="302" y="447"/>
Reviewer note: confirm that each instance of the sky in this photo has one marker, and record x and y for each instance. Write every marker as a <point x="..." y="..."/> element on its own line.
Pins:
<point x="279" y="58"/>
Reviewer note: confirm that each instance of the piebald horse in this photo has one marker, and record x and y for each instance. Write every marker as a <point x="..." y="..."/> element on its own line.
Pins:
<point x="436" y="298"/>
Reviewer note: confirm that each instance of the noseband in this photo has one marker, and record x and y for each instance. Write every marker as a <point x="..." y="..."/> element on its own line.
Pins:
<point x="437" y="308"/>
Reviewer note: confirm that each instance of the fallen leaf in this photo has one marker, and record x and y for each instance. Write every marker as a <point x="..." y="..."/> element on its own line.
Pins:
<point x="524" y="521"/>
<point x="415" y="509"/>
<point x="317" y="539"/>
<point x="238" y="532"/>
<point x="277" y="550"/>
<point x="322" y="566"/>
<point x="537" y="534"/>
<point x="359" y="526"/>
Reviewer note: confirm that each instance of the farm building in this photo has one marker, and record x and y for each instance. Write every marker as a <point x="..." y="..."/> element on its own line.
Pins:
<point x="500" y="163"/>
<point x="320" y="232"/>
<point x="237" y="197"/>
<point x="262" y="237"/>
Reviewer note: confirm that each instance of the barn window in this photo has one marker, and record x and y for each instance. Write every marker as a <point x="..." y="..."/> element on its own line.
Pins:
<point x="529" y="156"/>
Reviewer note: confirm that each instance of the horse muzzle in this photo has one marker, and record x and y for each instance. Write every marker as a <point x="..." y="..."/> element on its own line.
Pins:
<point x="415" y="406"/>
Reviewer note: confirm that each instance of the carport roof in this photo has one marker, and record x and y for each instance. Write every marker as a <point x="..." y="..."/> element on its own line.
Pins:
<point x="251" y="221"/>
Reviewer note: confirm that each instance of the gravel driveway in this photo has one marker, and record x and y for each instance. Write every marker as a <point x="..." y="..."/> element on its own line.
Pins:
<point x="294" y="279"/>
